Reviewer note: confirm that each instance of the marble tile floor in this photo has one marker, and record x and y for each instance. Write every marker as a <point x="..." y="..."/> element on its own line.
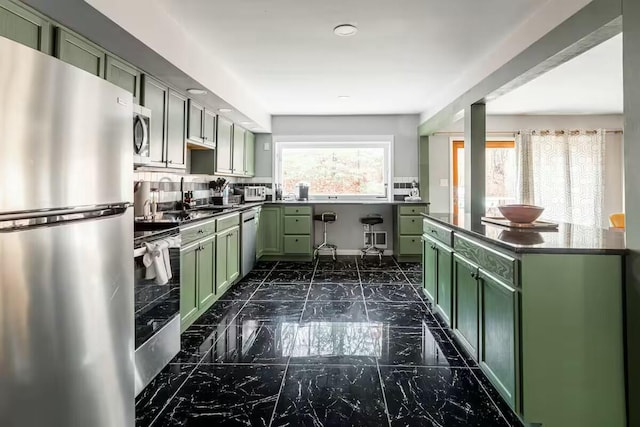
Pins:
<point x="349" y="343"/>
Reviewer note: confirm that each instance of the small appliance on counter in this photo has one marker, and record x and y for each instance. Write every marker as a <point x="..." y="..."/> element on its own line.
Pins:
<point x="255" y="194"/>
<point x="302" y="191"/>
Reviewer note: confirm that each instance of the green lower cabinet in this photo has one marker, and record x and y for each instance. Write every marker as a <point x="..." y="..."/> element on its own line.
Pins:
<point x="188" y="285"/>
<point x="444" y="281"/>
<point x="499" y="335"/>
<point x="270" y="230"/>
<point x="207" y="274"/>
<point x="429" y="268"/>
<point x="297" y="245"/>
<point x="410" y="245"/>
<point x="466" y="309"/>
<point x="227" y="259"/>
<point x="297" y="224"/>
<point x="25" y="27"/>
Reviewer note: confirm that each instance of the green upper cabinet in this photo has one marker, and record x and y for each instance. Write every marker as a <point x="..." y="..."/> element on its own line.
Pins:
<point x="25" y="27"/>
<point x="176" y="127"/>
<point x="238" y="163"/>
<point x="80" y="52"/>
<point x="195" y="130"/>
<point x="154" y="96"/>
<point x="224" y="153"/>
<point x="122" y="74"/>
<point x="250" y="153"/>
<point x="209" y="128"/>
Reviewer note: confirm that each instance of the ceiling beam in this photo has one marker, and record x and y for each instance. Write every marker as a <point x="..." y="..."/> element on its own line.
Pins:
<point x="593" y="24"/>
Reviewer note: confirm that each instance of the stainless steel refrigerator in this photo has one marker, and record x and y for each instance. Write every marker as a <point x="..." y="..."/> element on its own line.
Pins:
<point x="66" y="245"/>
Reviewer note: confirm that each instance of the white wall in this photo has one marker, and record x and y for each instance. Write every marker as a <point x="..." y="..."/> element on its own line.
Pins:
<point x="440" y="153"/>
<point x="404" y="129"/>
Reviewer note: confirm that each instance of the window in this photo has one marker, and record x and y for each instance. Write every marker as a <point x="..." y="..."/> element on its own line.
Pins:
<point x="500" y="175"/>
<point x="335" y="170"/>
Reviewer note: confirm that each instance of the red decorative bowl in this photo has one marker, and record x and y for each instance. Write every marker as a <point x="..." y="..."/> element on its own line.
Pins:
<point x="521" y="214"/>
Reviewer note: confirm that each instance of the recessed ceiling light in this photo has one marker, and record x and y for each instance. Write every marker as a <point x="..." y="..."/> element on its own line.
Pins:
<point x="194" y="91"/>
<point x="345" y="30"/>
<point x="344" y="97"/>
<point x="225" y="110"/>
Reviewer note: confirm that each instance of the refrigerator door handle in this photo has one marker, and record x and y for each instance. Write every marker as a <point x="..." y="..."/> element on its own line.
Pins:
<point x="47" y="217"/>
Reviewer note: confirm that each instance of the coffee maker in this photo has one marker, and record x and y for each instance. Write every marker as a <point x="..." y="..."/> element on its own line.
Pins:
<point x="302" y="191"/>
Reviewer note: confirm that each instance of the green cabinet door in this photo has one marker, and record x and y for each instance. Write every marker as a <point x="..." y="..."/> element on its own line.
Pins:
<point x="209" y="128"/>
<point x="499" y="335"/>
<point x="466" y="310"/>
<point x="195" y="122"/>
<point x="154" y="96"/>
<point x="233" y="255"/>
<point x="444" y="281"/>
<point x="259" y="243"/>
<point x="25" y="27"/>
<point x="206" y="273"/>
<point x="222" y="276"/>
<point x="176" y="126"/>
<point x="238" y="164"/>
<point x="188" y="285"/>
<point x="429" y="268"/>
<point x="122" y="74"/>
<point x="80" y="53"/>
<point x="271" y="230"/>
<point x="250" y="153"/>
<point x="224" y="146"/>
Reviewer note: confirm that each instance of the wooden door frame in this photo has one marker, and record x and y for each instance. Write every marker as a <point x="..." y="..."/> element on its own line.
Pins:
<point x="456" y="145"/>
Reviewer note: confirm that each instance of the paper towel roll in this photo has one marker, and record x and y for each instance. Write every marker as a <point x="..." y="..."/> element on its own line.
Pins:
<point x="140" y="197"/>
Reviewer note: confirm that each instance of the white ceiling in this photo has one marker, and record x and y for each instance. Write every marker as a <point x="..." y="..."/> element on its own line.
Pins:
<point x="404" y="54"/>
<point x="588" y="84"/>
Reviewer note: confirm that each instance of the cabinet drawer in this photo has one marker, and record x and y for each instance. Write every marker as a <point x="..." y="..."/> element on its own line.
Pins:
<point x="411" y="225"/>
<point x="193" y="232"/>
<point x="228" y="222"/>
<point x="496" y="263"/>
<point x="297" y="244"/>
<point x="410" y="245"/>
<point x="297" y="210"/>
<point x="438" y="232"/>
<point x="413" y="210"/>
<point x="297" y="224"/>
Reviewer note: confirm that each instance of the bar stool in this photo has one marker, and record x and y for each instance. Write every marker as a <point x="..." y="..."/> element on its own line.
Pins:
<point x="371" y="248"/>
<point x="326" y="217"/>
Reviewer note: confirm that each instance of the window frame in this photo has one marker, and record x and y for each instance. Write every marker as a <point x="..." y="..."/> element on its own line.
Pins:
<point x="351" y="141"/>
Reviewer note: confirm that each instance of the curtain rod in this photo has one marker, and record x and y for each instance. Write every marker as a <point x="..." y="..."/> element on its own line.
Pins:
<point x="515" y="132"/>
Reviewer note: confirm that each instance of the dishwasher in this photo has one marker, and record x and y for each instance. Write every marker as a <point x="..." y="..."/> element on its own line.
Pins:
<point x="249" y="232"/>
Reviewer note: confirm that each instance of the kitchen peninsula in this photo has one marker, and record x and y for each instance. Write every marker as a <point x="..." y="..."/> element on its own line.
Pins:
<point x="529" y="308"/>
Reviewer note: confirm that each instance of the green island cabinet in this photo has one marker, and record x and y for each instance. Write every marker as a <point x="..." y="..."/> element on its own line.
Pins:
<point x="545" y="328"/>
<point x="228" y="252"/>
<point x="24" y="25"/>
<point x="197" y="271"/>
<point x="407" y="233"/>
<point x="79" y="52"/>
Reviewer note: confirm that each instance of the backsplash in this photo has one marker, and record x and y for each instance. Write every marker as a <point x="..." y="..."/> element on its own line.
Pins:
<point x="168" y="185"/>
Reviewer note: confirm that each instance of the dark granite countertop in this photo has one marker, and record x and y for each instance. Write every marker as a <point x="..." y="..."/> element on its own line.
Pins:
<point x="344" y="202"/>
<point x="568" y="239"/>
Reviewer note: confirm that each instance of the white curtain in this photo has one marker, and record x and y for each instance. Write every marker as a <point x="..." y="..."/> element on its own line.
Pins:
<point x="564" y="173"/>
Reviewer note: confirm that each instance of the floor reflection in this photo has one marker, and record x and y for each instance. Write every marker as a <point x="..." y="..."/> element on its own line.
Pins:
<point x="336" y="339"/>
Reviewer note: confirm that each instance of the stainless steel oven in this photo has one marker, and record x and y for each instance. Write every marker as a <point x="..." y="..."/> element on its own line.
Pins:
<point x="157" y="308"/>
<point x="141" y="120"/>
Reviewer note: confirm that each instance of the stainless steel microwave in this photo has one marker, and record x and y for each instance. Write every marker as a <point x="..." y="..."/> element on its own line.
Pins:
<point x="141" y="120"/>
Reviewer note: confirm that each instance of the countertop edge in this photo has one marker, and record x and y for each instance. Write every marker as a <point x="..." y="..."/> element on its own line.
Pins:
<point x="528" y="250"/>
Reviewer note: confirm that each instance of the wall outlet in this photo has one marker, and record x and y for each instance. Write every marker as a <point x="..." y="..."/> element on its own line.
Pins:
<point x="444" y="182"/>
